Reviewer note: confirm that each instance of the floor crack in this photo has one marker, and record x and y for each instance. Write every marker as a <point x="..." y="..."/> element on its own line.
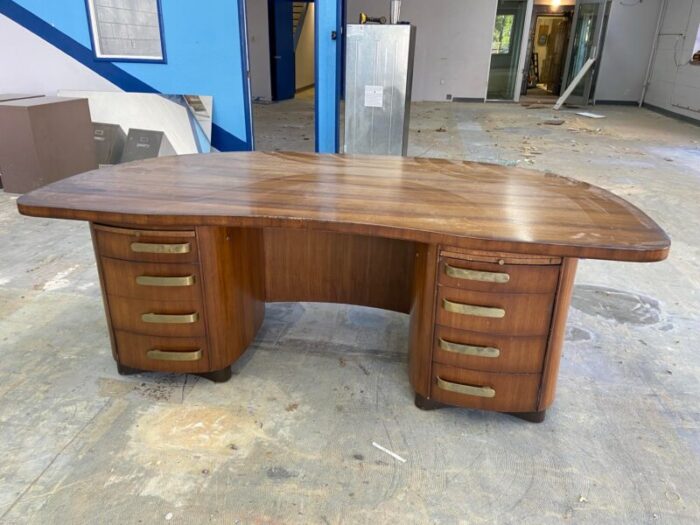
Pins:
<point x="53" y="460"/>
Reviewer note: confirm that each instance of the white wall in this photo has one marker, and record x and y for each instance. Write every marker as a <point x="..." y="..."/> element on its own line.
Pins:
<point x="50" y="69"/>
<point x="626" y="51"/>
<point x="453" y="43"/>
<point x="259" y="50"/>
<point x="674" y="84"/>
<point x="304" y="54"/>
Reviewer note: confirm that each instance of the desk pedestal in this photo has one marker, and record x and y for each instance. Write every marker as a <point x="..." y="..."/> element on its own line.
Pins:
<point x="486" y="328"/>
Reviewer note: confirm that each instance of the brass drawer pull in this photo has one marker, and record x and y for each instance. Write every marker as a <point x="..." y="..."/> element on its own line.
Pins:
<point x="468" y="309"/>
<point x="170" y="319"/>
<point x="146" y="247"/>
<point x="150" y="280"/>
<point x="468" y="390"/>
<point x="164" y="355"/>
<point x="478" y="351"/>
<point x="474" y="275"/>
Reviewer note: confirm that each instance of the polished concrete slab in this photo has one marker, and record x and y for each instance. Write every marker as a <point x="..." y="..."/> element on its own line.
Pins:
<point x="289" y="438"/>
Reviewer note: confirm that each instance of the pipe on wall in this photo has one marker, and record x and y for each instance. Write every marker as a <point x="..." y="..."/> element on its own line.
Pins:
<point x="652" y="56"/>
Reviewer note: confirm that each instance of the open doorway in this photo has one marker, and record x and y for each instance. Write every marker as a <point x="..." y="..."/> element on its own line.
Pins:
<point x="281" y="51"/>
<point x="564" y="34"/>
<point x="548" y="44"/>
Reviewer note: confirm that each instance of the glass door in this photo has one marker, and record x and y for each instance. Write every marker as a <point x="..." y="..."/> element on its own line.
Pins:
<point x="584" y="43"/>
<point x="505" y="49"/>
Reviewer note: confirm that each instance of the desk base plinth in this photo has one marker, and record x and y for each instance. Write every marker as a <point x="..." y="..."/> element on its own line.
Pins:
<point x="216" y="376"/>
<point x="428" y="404"/>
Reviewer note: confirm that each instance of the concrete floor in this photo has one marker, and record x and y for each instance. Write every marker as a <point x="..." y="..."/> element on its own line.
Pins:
<point x="289" y="438"/>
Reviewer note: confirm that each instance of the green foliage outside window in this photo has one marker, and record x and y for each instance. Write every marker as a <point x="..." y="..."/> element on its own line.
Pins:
<point x="502" y="33"/>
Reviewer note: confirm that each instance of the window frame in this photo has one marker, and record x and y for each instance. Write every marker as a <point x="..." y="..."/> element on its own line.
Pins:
<point x="100" y="57"/>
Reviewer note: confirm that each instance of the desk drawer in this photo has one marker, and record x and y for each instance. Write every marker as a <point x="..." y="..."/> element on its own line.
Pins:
<point x="165" y="282"/>
<point x="166" y="354"/>
<point x="154" y="317"/>
<point x="485" y="390"/>
<point x="498" y="278"/>
<point x="489" y="352"/>
<point x="512" y="314"/>
<point x="146" y="245"/>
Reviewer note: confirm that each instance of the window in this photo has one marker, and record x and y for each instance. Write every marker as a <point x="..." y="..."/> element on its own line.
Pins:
<point x="502" y="33"/>
<point x="128" y="30"/>
<point x="695" y="58"/>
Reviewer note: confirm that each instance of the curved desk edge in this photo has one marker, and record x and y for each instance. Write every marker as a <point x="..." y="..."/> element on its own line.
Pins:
<point x="645" y="252"/>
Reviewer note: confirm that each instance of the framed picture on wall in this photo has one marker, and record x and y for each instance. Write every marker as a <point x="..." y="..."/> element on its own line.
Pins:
<point x="126" y="30"/>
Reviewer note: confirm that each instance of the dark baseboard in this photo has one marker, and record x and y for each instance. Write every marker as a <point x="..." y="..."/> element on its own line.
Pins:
<point x="467" y="99"/>
<point x="616" y="103"/>
<point x="671" y="114"/>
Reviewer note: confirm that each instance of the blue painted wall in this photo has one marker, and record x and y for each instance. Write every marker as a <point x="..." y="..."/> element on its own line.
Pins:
<point x="329" y="47"/>
<point x="205" y="55"/>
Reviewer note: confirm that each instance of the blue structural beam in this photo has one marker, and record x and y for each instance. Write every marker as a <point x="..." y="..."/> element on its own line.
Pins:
<point x="329" y="38"/>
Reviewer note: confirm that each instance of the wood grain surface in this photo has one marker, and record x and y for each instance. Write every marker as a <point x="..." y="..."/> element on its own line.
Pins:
<point x="558" y="333"/>
<point x="518" y="354"/>
<point x="514" y="392"/>
<point x="422" y="323"/>
<point x="462" y="204"/>
<point x="232" y="268"/>
<point x="525" y="313"/>
<point x="314" y="266"/>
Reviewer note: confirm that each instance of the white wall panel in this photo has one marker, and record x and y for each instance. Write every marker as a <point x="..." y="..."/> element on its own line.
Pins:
<point x="259" y="50"/>
<point x="453" y="44"/>
<point x="628" y="45"/>
<point x="674" y="84"/>
<point x="29" y="64"/>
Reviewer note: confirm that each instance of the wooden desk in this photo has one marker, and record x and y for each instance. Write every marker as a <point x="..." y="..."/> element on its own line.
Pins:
<point x="483" y="257"/>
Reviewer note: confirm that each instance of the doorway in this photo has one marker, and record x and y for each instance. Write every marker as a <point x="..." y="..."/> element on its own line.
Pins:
<point x="505" y="49"/>
<point x="547" y="48"/>
<point x="562" y="39"/>
<point x="281" y="50"/>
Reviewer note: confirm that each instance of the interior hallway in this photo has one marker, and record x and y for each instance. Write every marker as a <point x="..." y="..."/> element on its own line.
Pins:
<point x="81" y="444"/>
